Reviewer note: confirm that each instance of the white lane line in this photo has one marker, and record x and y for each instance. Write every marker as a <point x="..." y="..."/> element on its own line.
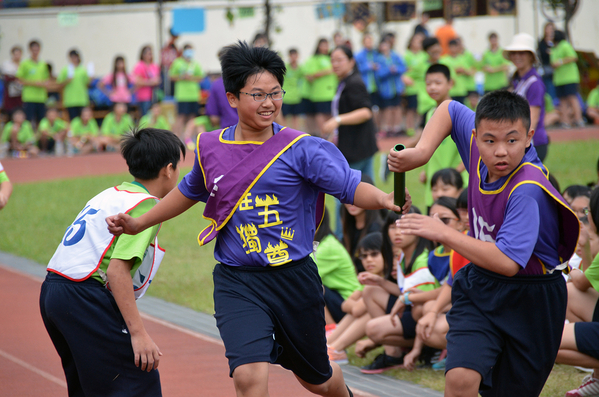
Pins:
<point x="31" y="368"/>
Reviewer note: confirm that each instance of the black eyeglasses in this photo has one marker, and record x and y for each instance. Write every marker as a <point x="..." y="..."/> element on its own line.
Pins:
<point x="260" y="97"/>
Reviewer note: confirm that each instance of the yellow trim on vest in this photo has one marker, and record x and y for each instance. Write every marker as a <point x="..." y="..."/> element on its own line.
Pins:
<point x="199" y="160"/>
<point x="222" y="140"/>
<point x="508" y="179"/>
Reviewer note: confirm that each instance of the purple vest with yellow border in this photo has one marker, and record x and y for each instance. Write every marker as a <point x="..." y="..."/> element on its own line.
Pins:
<point x="231" y="169"/>
<point x="487" y="208"/>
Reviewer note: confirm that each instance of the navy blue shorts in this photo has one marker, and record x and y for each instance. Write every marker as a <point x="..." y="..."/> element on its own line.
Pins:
<point x="375" y="99"/>
<point x="34" y="112"/>
<point x="273" y="314"/>
<point x="74" y="111"/>
<point x="307" y="107"/>
<point x="90" y="335"/>
<point x="391" y="303"/>
<point x="389" y="103"/>
<point x="587" y="338"/>
<point x="508" y="329"/>
<point x="292" y="110"/>
<point x="188" y="108"/>
<point x="562" y="91"/>
<point x="321" y="107"/>
<point x="411" y="102"/>
<point x="596" y="313"/>
<point x="408" y="323"/>
<point x="333" y="301"/>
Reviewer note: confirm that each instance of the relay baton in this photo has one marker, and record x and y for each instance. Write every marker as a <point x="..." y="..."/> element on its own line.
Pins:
<point x="399" y="183"/>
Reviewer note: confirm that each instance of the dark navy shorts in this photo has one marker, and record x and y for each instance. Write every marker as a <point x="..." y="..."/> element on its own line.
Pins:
<point x="188" y="108"/>
<point x="34" y="112"/>
<point x="587" y="338"/>
<point x="90" y="335"/>
<point x="292" y="110"/>
<point x="411" y="102"/>
<point x="273" y="314"/>
<point x="562" y="91"/>
<point x="508" y="329"/>
<point x="333" y="301"/>
<point x="389" y="103"/>
<point x="375" y="99"/>
<point x="321" y="107"/>
<point x="408" y="324"/>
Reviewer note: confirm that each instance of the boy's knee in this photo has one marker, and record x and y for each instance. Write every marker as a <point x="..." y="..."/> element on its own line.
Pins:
<point x="462" y="382"/>
<point x="374" y="332"/>
<point x="249" y="378"/>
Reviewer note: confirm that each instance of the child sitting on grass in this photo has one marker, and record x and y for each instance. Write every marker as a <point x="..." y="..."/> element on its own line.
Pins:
<point x="52" y="132"/>
<point x="18" y="136"/>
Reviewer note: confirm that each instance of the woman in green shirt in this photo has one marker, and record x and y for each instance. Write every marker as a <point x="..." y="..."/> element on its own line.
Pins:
<point x="415" y="59"/>
<point x="494" y="65"/>
<point x="74" y="81"/>
<point x="566" y="78"/>
<point x="323" y="83"/>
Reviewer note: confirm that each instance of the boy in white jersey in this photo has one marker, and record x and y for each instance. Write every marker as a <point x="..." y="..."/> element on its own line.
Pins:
<point x="87" y="301"/>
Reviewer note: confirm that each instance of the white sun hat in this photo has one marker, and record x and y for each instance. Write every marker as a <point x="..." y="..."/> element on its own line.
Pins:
<point x="521" y="42"/>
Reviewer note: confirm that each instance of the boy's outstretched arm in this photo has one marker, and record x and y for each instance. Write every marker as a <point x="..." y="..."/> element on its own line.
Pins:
<point x="437" y="129"/>
<point x="175" y="203"/>
<point x="147" y="354"/>
<point x="370" y="197"/>
<point x="482" y="253"/>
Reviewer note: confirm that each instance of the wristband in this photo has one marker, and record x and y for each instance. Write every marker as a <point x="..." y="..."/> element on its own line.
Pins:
<point x="406" y="299"/>
<point x="338" y="119"/>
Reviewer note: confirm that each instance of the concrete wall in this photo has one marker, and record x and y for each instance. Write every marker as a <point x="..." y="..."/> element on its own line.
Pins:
<point x="104" y="31"/>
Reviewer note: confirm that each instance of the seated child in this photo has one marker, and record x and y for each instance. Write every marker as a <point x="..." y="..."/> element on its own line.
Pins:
<point x="592" y="112"/>
<point x="52" y="132"/>
<point x="18" y="135"/>
<point x="5" y="187"/>
<point x="84" y="133"/>
<point x="446" y="182"/>
<point x="88" y="298"/>
<point x="580" y="347"/>
<point x="115" y="125"/>
<point x="154" y="118"/>
<point x="353" y="325"/>
<point x="195" y="127"/>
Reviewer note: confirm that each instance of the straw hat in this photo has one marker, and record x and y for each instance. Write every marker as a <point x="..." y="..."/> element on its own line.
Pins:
<point x="521" y="42"/>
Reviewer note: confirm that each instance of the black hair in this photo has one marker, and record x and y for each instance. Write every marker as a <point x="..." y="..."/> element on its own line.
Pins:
<point x="450" y="203"/>
<point x="449" y="176"/>
<point x="439" y="68"/>
<point x="371" y="242"/>
<point x="454" y="42"/>
<point x="16" y="48"/>
<point x="428" y="42"/>
<point x="34" y="42"/>
<point x="576" y="191"/>
<point x="116" y="60"/>
<point x="292" y="51"/>
<point x="554" y="182"/>
<point x="143" y="49"/>
<point x="492" y="35"/>
<point x="240" y="62"/>
<point x="558" y="36"/>
<point x="148" y="150"/>
<point x="500" y="106"/>
<point x="74" y="53"/>
<point x="346" y="50"/>
<point x="594" y="206"/>
<point x="462" y="201"/>
<point x="187" y="45"/>
<point x="320" y="41"/>
<point x="260" y="36"/>
<point x="325" y="227"/>
<point x="387" y="248"/>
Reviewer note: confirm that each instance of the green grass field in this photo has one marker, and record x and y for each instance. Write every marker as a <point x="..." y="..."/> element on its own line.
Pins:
<point x="37" y="215"/>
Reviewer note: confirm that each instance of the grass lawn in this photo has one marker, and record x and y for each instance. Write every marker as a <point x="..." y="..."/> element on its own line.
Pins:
<point x="34" y="221"/>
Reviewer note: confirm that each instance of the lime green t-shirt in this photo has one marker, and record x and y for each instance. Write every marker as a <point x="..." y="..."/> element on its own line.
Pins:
<point x="549" y="104"/>
<point x="592" y="273"/>
<point x="186" y="91"/>
<point x="568" y="73"/>
<point x="469" y="63"/>
<point x="75" y="92"/>
<point x="459" y="84"/>
<point x="335" y="267"/>
<point x="3" y="176"/>
<point x="205" y="121"/>
<point x="593" y="98"/>
<point x="420" y="262"/>
<point x="306" y="86"/>
<point x="29" y="70"/>
<point x="127" y="246"/>
<point x="79" y="129"/>
<point x="51" y="129"/>
<point x="110" y="126"/>
<point x="25" y="134"/>
<point x="322" y="89"/>
<point x="497" y="80"/>
<point x="416" y="65"/>
<point x="293" y="86"/>
<point x="161" y="122"/>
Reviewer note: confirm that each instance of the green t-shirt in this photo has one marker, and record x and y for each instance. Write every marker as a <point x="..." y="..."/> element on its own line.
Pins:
<point x="161" y="122"/>
<point x="335" y="267"/>
<point x="549" y="107"/>
<point x="51" y="129"/>
<point x="322" y="89"/>
<point x="3" y="176"/>
<point x="568" y="73"/>
<point x="25" y="134"/>
<point x="306" y="86"/>
<point x="127" y="246"/>
<point x="205" y="121"/>
<point x="30" y="70"/>
<point x="459" y="84"/>
<point x="79" y="129"/>
<point x="593" y="98"/>
<point x="425" y="102"/>
<point x="469" y="63"/>
<point x="592" y="273"/>
<point x="75" y="92"/>
<point x="110" y="126"/>
<point x="293" y="86"/>
<point x="416" y="65"/>
<point x="497" y="80"/>
<point x="186" y="91"/>
<point x="420" y="262"/>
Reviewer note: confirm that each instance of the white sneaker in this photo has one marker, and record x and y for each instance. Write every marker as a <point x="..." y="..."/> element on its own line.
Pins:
<point x="588" y="388"/>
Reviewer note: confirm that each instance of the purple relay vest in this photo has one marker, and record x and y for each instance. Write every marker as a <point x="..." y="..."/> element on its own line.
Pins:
<point x="231" y="169"/>
<point x="487" y="208"/>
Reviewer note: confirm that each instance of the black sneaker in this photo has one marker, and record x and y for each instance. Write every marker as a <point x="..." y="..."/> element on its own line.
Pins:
<point x="382" y="363"/>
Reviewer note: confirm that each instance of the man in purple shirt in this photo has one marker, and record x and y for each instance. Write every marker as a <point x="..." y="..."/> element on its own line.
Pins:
<point x="218" y="108"/>
<point x="509" y="303"/>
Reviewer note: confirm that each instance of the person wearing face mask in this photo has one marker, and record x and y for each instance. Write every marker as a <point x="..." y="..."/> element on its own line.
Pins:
<point x="186" y="73"/>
